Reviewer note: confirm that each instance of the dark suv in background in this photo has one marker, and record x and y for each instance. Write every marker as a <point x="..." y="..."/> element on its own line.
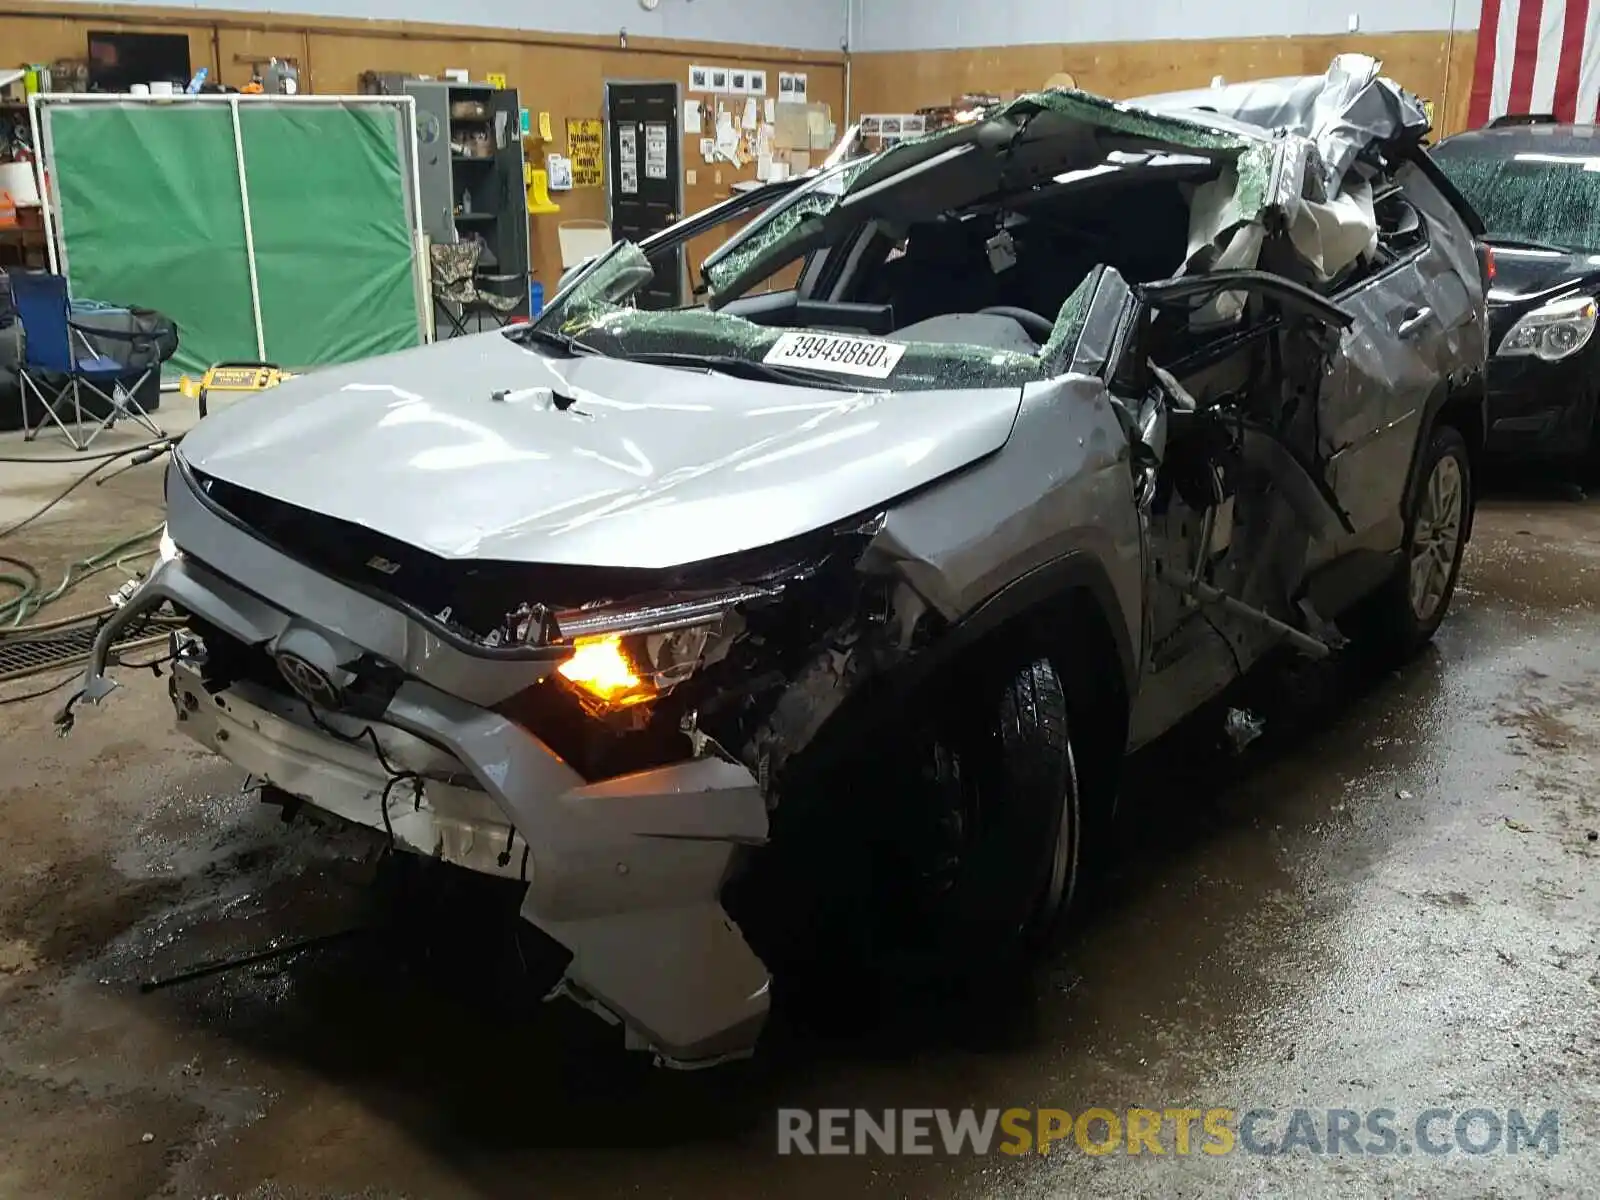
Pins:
<point x="1536" y="184"/>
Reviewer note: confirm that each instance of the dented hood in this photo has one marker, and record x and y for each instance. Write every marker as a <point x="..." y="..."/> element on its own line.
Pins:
<point x="480" y="448"/>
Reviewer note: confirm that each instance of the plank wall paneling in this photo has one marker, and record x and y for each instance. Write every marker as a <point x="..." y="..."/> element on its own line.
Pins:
<point x="1435" y="65"/>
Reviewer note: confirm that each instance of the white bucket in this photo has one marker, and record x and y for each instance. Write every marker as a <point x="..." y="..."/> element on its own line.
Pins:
<point x="17" y="179"/>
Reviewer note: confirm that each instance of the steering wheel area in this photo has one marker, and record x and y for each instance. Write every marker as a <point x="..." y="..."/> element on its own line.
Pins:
<point x="1037" y="327"/>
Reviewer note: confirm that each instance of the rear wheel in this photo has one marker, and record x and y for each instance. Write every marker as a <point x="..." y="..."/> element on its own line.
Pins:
<point x="1407" y="612"/>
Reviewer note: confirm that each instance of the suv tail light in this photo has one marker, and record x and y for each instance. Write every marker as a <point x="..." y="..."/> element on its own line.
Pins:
<point x="1486" y="265"/>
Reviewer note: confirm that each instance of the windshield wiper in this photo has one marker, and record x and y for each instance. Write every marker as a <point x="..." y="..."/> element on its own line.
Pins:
<point x="743" y="368"/>
<point x="551" y="337"/>
<point x="1515" y="243"/>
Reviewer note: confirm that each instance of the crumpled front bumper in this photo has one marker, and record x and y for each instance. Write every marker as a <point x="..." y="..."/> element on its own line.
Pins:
<point x="626" y="872"/>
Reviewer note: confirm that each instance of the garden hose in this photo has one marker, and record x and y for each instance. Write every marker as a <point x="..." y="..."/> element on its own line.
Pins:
<point x="30" y="598"/>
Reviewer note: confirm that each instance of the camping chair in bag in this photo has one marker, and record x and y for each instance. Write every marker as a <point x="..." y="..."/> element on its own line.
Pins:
<point x="59" y="362"/>
<point x="456" y="290"/>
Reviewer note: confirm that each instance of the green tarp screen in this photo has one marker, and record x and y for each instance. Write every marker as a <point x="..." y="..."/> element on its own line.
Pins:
<point x="152" y="215"/>
<point x="332" y="235"/>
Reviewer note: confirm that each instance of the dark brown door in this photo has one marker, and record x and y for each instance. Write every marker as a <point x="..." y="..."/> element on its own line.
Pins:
<point x="642" y="131"/>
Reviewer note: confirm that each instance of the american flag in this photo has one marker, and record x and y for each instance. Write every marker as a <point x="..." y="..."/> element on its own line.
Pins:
<point x="1537" y="56"/>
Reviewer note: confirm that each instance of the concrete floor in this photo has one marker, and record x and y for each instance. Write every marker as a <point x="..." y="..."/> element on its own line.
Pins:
<point x="1396" y="909"/>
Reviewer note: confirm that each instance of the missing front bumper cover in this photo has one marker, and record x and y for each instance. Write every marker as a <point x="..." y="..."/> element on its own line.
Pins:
<point x="625" y="873"/>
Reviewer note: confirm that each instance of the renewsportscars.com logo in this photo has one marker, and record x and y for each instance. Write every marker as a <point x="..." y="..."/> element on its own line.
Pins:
<point x="1167" y="1131"/>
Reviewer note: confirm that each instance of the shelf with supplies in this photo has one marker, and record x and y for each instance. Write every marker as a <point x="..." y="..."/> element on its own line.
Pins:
<point x="476" y="196"/>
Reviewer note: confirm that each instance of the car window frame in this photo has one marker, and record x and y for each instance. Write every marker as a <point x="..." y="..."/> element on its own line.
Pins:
<point x="1132" y="377"/>
<point x="1409" y="258"/>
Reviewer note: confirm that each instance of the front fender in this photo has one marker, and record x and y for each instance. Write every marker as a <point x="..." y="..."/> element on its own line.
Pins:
<point x="1055" y="507"/>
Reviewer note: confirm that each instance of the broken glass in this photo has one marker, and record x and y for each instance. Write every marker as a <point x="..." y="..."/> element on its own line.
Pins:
<point x="778" y="223"/>
<point x="1264" y="171"/>
<point x="1549" y="198"/>
<point x="925" y="366"/>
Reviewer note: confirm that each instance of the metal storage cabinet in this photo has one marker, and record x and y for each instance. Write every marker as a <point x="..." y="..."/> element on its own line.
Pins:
<point x="493" y="181"/>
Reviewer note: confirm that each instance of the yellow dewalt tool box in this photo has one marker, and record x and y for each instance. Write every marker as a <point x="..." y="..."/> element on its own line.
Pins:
<point x="232" y="377"/>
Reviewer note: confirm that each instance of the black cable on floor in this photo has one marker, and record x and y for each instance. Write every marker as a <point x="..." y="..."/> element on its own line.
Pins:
<point x="42" y="692"/>
<point x="82" y="458"/>
<point x="70" y="488"/>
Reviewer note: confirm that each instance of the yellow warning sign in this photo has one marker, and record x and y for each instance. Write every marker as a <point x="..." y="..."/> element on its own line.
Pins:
<point x="496" y="79"/>
<point x="585" y="138"/>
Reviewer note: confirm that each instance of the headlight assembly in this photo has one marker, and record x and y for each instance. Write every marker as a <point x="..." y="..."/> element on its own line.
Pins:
<point x="629" y="655"/>
<point x="1552" y="331"/>
<point x="613" y="672"/>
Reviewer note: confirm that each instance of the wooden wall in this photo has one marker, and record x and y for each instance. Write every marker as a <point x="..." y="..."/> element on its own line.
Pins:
<point x="1435" y="65"/>
<point x="559" y="74"/>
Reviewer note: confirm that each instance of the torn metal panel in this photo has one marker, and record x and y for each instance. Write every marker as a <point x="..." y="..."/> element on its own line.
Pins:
<point x="1324" y="124"/>
<point x="1343" y="111"/>
<point x="442" y="814"/>
<point x="1229" y="220"/>
<point x="1331" y="234"/>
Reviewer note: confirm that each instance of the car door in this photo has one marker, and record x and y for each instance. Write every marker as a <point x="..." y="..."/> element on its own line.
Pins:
<point x="1389" y="365"/>
<point x="1208" y="410"/>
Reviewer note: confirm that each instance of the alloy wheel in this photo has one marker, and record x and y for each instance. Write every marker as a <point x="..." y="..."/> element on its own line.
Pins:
<point x="1436" y="539"/>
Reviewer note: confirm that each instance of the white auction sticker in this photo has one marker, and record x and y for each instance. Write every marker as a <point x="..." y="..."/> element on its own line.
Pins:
<point x="836" y="352"/>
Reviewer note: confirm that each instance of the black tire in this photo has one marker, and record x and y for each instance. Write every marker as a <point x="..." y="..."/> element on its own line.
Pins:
<point x="1403" y="616"/>
<point x="1008" y="768"/>
<point x="951" y="851"/>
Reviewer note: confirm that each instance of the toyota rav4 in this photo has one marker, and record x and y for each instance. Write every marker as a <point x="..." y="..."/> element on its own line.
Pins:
<point x="818" y="617"/>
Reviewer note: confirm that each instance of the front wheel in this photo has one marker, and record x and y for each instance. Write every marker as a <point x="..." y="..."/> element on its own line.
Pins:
<point x="999" y="814"/>
<point x="1409" y="609"/>
<point x="949" y="848"/>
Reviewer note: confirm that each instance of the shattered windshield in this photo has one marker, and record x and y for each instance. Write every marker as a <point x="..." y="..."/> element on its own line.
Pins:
<point x="951" y="260"/>
<point x="1530" y="197"/>
<point x="618" y="331"/>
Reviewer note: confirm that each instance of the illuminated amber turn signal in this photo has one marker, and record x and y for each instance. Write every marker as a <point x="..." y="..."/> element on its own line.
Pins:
<point x="600" y="667"/>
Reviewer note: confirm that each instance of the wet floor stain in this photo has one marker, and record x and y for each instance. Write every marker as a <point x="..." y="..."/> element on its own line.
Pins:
<point x="1389" y="901"/>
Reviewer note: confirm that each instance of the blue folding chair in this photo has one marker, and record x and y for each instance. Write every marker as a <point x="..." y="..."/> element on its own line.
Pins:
<point x="59" y="361"/>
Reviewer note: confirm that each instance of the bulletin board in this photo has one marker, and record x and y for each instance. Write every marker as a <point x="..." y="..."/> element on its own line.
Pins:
<point x="565" y="85"/>
<point x="744" y="123"/>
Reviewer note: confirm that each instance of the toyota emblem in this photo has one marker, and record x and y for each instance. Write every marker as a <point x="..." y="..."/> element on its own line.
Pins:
<point x="310" y="682"/>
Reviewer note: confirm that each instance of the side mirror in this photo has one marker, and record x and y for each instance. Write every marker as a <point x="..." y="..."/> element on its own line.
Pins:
<point x="566" y="276"/>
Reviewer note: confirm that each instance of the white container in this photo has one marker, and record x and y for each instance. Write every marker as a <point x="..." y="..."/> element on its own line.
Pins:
<point x="18" y="181"/>
<point x="139" y="89"/>
<point x="161" y="87"/>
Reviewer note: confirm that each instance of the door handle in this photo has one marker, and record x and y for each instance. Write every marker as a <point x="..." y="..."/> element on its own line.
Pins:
<point x="1413" y="321"/>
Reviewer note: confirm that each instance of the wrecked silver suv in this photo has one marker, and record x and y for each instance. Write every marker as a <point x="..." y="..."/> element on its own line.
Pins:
<point x="818" y="618"/>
